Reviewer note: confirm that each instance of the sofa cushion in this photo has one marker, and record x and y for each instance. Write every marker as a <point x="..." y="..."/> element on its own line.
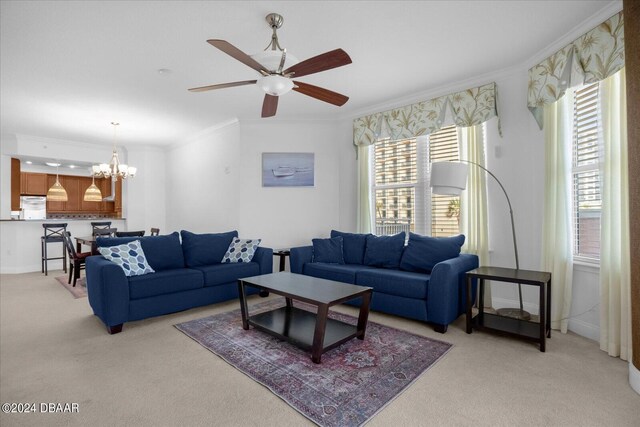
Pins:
<point x="353" y="246"/>
<point x="395" y="282"/>
<point x="205" y="249"/>
<point x="165" y="282"/>
<point x="423" y="252"/>
<point x="128" y="256"/>
<point x="384" y="251"/>
<point x="327" y="250"/>
<point x="241" y="250"/>
<point x="218" y="274"/>
<point x="345" y="273"/>
<point x="162" y="252"/>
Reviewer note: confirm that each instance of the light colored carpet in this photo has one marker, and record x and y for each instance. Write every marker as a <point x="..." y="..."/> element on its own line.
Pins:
<point x="52" y="349"/>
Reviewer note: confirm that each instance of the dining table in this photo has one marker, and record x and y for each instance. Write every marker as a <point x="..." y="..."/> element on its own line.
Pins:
<point x="88" y="241"/>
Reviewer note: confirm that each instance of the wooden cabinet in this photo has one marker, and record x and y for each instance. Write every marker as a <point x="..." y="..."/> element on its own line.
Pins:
<point x="34" y="184"/>
<point x="16" y="180"/>
<point x="75" y="204"/>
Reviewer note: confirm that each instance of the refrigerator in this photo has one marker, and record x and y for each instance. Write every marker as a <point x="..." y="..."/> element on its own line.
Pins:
<point x="33" y="207"/>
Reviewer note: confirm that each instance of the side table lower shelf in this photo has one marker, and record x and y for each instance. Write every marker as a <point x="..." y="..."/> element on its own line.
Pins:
<point x="507" y="326"/>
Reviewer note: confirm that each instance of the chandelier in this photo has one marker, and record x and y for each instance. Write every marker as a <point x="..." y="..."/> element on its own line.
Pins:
<point x="114" y="169"/>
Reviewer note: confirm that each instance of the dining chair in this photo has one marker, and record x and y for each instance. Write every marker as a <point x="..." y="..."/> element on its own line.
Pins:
<point x="105" y="232"/>
<point x="53" y="233"/>
<point x="76" y="260"/>
<point x="99" y="225"/>
<point x="155" y="231"/>
<point x="130" y="233"/>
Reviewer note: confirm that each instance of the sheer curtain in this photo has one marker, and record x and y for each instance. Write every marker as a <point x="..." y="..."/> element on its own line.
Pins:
<point x="363" y="220"/>
<point x="473" y="202"/>
<point x="615" y="280"/>
<point x="557" y="239"/>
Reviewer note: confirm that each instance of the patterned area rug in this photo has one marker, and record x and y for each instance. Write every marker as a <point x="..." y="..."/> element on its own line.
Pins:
<point x="354" y="381"/>
<point x="79" y="291"/>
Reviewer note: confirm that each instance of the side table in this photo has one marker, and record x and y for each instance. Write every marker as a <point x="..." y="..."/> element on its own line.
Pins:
<point x="526" y="329"/>
<point x="283" y="254"/>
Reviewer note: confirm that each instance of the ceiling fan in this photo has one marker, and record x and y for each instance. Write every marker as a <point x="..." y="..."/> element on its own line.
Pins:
<point x="277" y="80"/>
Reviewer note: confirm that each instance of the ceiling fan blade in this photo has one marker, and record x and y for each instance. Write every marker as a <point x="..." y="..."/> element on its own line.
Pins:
<point x="222" y="86"/>
<point x="269" y="106"/>
<point x="326" y="61"/>
<point x="320" y="93"/>
<point x="236" y="53"/>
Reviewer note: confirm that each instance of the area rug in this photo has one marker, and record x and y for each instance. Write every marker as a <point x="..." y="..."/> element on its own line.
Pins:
<point x="354" y="381"/>
<point x="78" y="291"/>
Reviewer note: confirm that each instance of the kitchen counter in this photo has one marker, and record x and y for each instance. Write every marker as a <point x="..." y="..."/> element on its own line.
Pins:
<point x="20" y="250"/>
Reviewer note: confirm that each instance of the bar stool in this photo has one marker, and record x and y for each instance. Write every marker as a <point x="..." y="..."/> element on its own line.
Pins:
<point x="102" y="225"/>
<point x="155" y="231"/>
<point x="53" y="233"/>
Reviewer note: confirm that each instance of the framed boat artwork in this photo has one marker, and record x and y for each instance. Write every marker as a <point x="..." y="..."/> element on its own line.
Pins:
<point x="288" y="169"/>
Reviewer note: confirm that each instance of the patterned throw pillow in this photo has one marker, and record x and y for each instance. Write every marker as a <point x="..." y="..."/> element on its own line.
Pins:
<point x="129" y="256"/>
<point x="241" y="250"/>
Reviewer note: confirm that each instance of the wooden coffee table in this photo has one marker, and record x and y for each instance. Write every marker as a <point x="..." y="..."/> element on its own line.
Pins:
<point x="309" y="331"/>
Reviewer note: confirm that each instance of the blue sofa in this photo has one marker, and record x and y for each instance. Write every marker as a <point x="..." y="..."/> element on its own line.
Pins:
<point x="188" y="274"/>
<point x="424" y="280"/>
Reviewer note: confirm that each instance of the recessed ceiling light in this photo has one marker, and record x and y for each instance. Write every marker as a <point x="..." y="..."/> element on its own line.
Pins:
<point x="29" y="162"/>
<point x="72" y="166"/>
<point x="163" y="71"/>
<point x="52" y="164"/>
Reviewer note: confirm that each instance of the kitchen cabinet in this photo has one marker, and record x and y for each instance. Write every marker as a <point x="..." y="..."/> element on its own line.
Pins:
<point x="34" y="184"/>
<point x="16" y="180"/>
<point x="72" y="185"/>
<point x="75" y="204"/>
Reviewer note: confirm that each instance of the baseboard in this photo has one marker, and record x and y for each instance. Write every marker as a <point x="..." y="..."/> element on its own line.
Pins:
<point x="634" y="377"/>
<point x="584" y="329"/>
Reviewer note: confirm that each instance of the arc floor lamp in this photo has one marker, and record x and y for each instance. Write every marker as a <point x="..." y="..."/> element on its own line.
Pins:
<point x="450" y="178"/>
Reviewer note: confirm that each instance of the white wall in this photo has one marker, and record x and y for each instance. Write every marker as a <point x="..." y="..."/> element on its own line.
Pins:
<point x="290" y="216"/>
<point x="203" y="182"/>
<point x="146" y="193"/>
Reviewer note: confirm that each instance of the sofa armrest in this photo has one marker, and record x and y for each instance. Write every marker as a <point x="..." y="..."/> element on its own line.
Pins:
<point x="264" y="258"/>
<point x="108" y="290"/>
<point x="446" y="298"/>
<point x="299" y="257"/>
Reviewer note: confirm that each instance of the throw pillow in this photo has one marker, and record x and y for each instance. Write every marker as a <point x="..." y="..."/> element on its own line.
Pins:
<point x="205" y="249"/>
<point x="129" y="256"/>
<point x="384" y="251"/>
<point x="162" y="252"/>
<point x="241" y="250"/>
<point x="423" y="252"/>
<point x="353" y="246"/>
<point x="328" y="250"/>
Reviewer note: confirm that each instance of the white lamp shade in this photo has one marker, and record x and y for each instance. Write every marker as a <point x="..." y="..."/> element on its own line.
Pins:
<point x="448" y="178"/>
<point x="270" y="59"/>
<point x="132" y="171"/>
<point x="275" y="85"/>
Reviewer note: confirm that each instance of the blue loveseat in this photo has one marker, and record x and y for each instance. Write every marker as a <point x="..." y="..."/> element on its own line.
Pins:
<point x="424" y="280"/>
<point x="187" y="274"/>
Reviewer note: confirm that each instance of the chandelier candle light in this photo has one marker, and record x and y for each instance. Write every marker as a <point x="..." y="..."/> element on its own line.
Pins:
<point x="114" y="169"/>
<point x="450" y="178"/>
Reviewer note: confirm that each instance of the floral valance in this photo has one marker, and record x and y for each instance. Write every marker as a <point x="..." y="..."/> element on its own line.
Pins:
<point x="469" y="108"/>
<point x="590" y="58"/>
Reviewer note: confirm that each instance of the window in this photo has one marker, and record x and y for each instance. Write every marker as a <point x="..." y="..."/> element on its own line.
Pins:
<point x="400" y="191"/>
<point x="587" y="202"/>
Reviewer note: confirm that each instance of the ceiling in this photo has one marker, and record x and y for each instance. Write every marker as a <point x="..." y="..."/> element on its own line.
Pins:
<point x="68" y="69"/>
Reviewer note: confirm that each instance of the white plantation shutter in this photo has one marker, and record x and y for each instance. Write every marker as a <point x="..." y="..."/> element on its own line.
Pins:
<point x="587" y="201"/>
<point x="445" y="210"/>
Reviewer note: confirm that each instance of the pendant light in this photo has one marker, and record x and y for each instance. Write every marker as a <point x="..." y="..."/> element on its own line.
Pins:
<point x="93" y="193"/>
<point x="57" y="193"/>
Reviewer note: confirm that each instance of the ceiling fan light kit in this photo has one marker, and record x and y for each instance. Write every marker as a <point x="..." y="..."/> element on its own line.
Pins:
<point x="277" y="67"/>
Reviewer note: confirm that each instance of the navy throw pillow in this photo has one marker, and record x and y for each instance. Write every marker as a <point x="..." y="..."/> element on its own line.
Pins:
<point x="384" y="251"/>
<point x="423" y="252"/>
<point x="205" y="249"/>
<point x="328" y="250"/>
<point x="353" y="246"/>
<point x="162" y="252"/>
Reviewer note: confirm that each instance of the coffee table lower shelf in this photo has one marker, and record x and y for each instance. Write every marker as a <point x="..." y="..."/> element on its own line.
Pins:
<point x="297" y="326"/>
